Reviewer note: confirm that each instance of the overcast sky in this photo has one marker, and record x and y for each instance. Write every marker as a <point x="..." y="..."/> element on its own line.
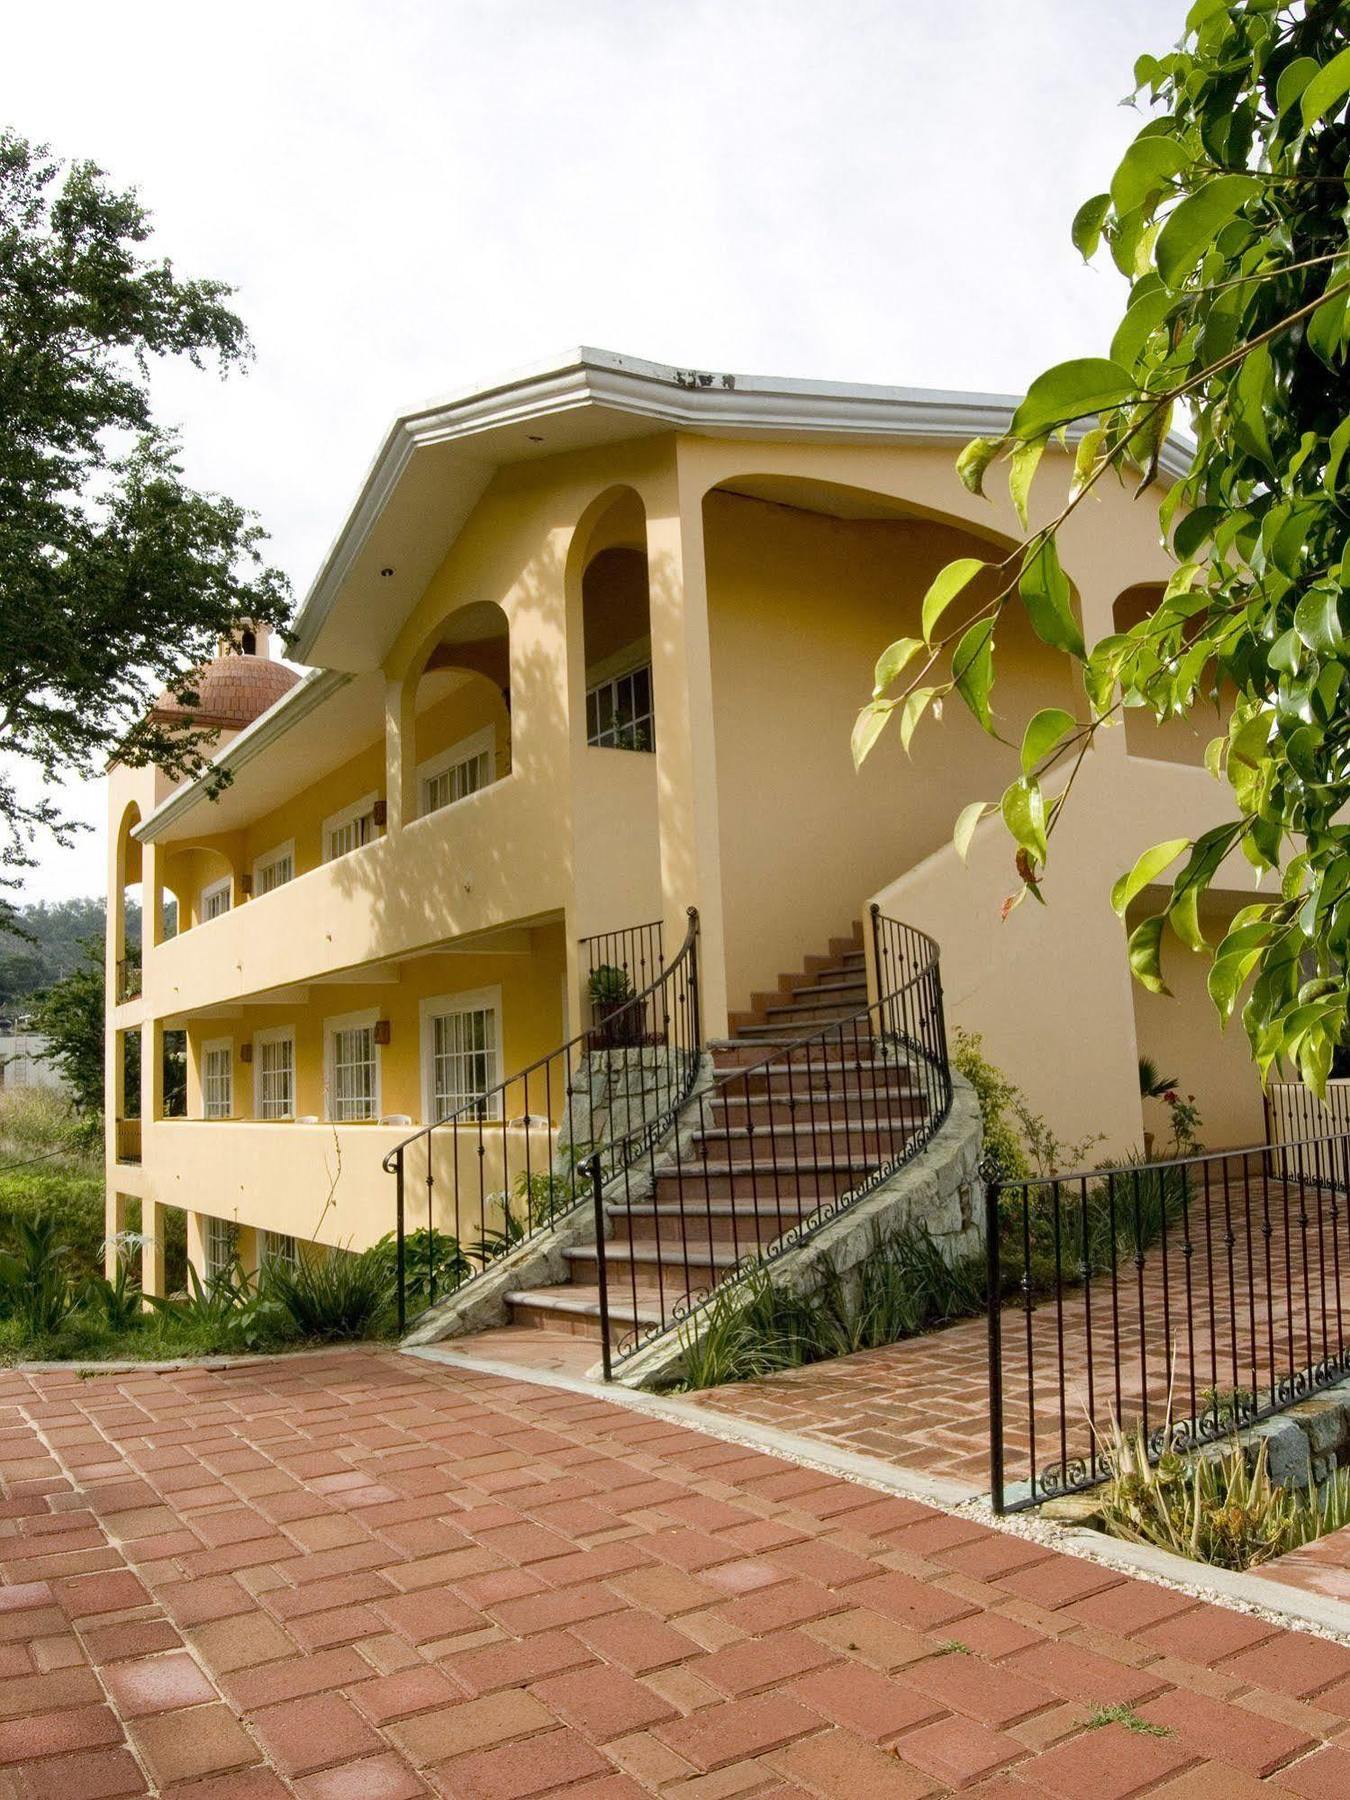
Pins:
<point x="411" y="196"/>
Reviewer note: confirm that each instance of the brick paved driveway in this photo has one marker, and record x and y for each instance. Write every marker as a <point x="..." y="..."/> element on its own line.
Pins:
<point x="359" y="1577"/>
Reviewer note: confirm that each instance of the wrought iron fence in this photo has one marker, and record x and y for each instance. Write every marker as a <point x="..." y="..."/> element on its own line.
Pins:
<point x="1293" y="1112"/>
<point x="619" y="964"/>
<point x="774" y="1149"/>
<point x="510" y="1162"/>
<point x="1184" y="1298"/>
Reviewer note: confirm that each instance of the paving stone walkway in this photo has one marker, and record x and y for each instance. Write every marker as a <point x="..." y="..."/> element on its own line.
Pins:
<point x="356" y="1576"/>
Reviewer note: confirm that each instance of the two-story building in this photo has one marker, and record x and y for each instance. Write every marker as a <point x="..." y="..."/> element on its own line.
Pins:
<point x="585" y="654"/>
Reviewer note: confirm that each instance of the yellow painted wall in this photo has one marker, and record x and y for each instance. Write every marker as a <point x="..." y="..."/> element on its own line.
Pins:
<point x="1182" y="1035"/>
<point x="800" y="608"/>
<point x="531" y="987"/>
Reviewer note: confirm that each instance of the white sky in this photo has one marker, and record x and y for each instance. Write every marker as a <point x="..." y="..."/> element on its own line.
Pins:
<point x="412" y="196"/>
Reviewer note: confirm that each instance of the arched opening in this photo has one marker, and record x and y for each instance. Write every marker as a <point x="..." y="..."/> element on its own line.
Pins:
<point x="807" y="583"/>
<point x="127" y="894"/>
<point x="462" y="708"/>
<point x="1177" y="740"/>
<point x="200" y="880"/>
<point x="617" y="631"/>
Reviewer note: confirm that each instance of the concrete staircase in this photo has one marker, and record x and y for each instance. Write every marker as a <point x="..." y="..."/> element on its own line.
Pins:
<point x="769" y="1148"/>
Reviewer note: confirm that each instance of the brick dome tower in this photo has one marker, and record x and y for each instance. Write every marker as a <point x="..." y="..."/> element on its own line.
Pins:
<point x="236" y="687"/>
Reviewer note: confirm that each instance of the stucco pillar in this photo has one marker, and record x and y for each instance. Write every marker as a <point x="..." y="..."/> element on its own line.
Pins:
<point x="152" y="1252"/>
<point x="196" y="1242"/>
<point x="691" y="872"/>
<point x="400" y="753"/>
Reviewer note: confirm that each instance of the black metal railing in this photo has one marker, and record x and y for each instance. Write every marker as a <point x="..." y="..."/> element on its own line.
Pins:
<point x="1183" y="1298"/>
<point x="509" y="1163"/>
<point x="618" y="964"/>
<point x="1294" y="1112"/>
<point x="774" y="1149"/>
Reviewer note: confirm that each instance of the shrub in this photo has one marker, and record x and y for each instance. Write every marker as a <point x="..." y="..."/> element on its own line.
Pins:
<point x="35" y="1285"/>
<point x="425" y="1254"/>
<point x="226" y="1311"/>
<point x="1004" y="1158"/>
<point x="1216" y="1509"/>
<point x="334" y="1295"/>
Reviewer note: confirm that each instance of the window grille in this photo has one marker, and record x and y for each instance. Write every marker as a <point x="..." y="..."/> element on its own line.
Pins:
<point x="221" y="1246"/>
<point x="349" y="835"/>
<point x="275" y="872"/>
<point x="454" y="783"/>
<point x="278" y="1247"/>
<point x="619" y="713"/>
<point x="215" y="901"/>
<point x="352" y="1072"/>
<point x="218" y="1081"/>
<point x="463" y="1058"/>
<point x="276" y="1078"/>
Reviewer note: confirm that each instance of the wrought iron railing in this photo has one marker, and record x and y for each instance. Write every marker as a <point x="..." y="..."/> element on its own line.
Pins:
<point x="509" y="1163"/>
<point x="618" y="964"/>
<point x="1294" y="1112"/>
<point x="774" y="1149"/>
<point x="1182" y="1298"/>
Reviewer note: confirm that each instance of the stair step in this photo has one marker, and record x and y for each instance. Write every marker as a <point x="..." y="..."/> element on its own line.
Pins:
<point x="740" y="1222"/>
<point x="577" y="1309"/>
<point x="796" y="1106"/>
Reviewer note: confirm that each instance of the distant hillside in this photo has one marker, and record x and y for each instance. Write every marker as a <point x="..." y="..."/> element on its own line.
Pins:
<point x="60" y="930"/>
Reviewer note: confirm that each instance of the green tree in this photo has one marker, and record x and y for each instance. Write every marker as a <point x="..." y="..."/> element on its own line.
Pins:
<point x="116" y="577"/>
<point x="69" y="1014"/>
<point x="1228" y="217"/>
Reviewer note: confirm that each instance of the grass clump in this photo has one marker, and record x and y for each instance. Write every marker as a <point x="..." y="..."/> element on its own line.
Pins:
<point x="1129" y="1718"/>
<point x="903" y="1286"/>
<point x="334" y="1297"/>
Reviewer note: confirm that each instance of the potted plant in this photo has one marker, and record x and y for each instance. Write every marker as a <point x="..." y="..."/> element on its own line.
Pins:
<point x="616" y="1022"/>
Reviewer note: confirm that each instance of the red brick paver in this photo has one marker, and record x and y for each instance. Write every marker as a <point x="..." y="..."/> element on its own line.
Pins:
<point x="353" y="1576"/>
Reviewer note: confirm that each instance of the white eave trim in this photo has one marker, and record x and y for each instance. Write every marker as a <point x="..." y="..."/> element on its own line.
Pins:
<point x="691" y="399"/>
<point x="294" y="705"/>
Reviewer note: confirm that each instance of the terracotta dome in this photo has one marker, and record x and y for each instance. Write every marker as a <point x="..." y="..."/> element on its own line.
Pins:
<point x="232" y="691"/>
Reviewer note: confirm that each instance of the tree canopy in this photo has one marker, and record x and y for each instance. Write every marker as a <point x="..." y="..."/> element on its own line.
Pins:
<point x="1228" y="216"/>
<point x="117" y="578"/>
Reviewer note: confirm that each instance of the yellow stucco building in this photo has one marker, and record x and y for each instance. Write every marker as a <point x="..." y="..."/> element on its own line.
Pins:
<point x="584" y="655"/>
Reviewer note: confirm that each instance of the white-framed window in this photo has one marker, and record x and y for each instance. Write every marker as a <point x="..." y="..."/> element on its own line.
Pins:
<point x="619" y="713"/>
<point x="347" y="830"/>
<point x="274" y="869"/>
<point x="274" y="1073"/>
<point x="221" y="1244"/>
<point x="352" y="1067"/>
<point x="277" y="1247"/>
<point x="457" y="772"/>
<point x="461" y="1052"/>
<point x="218" y="1078"/>
<point x="215" y="898"/>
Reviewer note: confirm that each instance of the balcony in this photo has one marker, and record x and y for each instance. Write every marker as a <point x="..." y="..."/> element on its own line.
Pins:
<point x="325" y="1182"/>
<point x="127" y="1136"/>
<point x="491" y="859"/>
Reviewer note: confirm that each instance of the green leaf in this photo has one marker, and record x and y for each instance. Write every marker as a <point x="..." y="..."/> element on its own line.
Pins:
<point x="1047" y="728"/>
<point x="1023" y="809"/>
<point x="1337" y="445"/>
<point x="974" y="461"/>
<point x="1184" y="916"/>
<point x="915" y="706"/>
<point x="1146" y="870"/>
<point x="973" y="670"/>
<point x="947" y="584"/>
<point x="1252" y="398"/>
<point x="892" y="663"/>
<point x="1294" y="78"/>
<point x="1145" y="951"/>
<point x="1021" y="472"/>
<point x="1142" y="319"/>
<point x="868" y="727"/>
<point x="966" y="821"/>
<point x="1044" y="589"/>
<point x="1326" y="90"/>
<point x="1089" y="449"/>
<point x="1087" y="224"/>
<point x="1317" y="620"/>
<point x="1071" y="390"/>
<point x="1194" y="225"/>
<point x="1145" y="171"/>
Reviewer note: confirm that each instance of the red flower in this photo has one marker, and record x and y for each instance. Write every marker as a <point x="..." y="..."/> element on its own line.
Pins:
<point x="1171" y="1096"/>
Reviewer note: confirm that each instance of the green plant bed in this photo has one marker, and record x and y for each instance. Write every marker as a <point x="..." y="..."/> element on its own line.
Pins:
<point x="1221" y="1508"/>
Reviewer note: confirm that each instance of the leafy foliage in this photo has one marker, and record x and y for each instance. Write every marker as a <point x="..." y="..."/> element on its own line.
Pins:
<point x="35" y="1286"/>
<point x="1227" y="215"/>
<point x="1220" y="1509"/>
<point x="117" y="579"/>
<point x="334" y="1295"/>
<point x="70" y="1015"/>
<point x="47" y="941"/>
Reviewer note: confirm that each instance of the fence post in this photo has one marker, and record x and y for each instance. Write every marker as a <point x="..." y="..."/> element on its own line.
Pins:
<point x="398" y="1242"/>
<point x="994" y="1310"/>
<point x="601" y="1267"/>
